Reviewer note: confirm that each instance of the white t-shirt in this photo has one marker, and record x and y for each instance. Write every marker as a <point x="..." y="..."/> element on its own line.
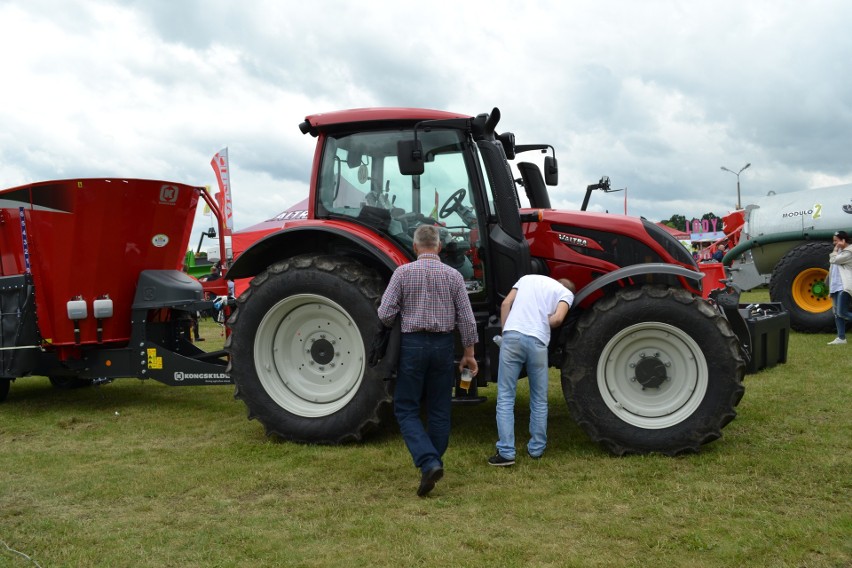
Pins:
<point x="835" y="284"/>
<point x="536" y="299"/>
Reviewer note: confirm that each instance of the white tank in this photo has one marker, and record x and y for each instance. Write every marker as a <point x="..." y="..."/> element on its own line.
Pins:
<point x="782" y="221"/>
<point x="819" y="209"/>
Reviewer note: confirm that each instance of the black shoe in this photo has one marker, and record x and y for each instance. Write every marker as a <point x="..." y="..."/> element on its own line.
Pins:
<point x="499" y="460"/>
<point x="538" y="457"/>
<point x="429" y="479"/>
<point x="199" y="339"/>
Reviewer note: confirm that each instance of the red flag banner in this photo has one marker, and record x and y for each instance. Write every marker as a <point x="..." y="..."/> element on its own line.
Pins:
<point x="220" y="166"/>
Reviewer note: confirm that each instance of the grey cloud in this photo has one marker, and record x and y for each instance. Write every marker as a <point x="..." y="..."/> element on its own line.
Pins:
<point x="657" y="94"/>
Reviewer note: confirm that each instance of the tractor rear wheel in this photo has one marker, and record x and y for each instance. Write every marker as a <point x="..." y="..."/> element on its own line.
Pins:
<point x="298" y="351"/>
<point x="800" y="282"/>
<point x="652" y="369"/>
<point x="4" y="388"/>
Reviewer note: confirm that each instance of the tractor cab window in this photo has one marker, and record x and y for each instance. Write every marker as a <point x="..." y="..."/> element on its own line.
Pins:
<point x="360" y="179"/>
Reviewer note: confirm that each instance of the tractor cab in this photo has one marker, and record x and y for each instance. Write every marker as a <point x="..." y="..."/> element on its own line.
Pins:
<point x="361" y="182"/>
<point x="446" y="172"/>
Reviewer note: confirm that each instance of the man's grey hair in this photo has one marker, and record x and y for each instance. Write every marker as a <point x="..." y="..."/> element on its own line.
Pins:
<point x="426" y="237"/>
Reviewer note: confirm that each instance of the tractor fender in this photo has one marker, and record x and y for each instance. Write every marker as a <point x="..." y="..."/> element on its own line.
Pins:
<point x="727" y="299"/>
<point x="633" y="271"/>
<point x="357" y="242"/>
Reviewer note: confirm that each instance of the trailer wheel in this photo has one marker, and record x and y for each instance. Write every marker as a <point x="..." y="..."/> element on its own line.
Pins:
<point x="4" y="388"/>
<point x="652" y="369"/>
<point x="298" y="350"/>
<point x="800" y="282"/>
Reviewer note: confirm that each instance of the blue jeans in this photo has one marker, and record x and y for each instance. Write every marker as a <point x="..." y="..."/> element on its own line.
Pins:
<point x="842" y="312"/>
<point x="517" y="350"/>
<point x="425" y="374"/>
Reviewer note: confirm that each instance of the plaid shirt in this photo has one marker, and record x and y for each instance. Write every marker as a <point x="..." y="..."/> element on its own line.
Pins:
<point x="429" y="296"/>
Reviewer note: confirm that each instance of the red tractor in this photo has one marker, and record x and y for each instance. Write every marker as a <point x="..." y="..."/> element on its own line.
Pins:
<point x="647" y="364"/>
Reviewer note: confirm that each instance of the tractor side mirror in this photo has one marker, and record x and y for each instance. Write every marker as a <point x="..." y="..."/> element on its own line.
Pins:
<point x="353" y="159"/>
<point x="409" y="155"/>
<point x="551" y="170"/>
<point x="507" y="139"/>
<point x="363" y="176"/>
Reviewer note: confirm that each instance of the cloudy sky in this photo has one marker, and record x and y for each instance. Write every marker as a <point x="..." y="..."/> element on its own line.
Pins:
<point x="657" y="94"/>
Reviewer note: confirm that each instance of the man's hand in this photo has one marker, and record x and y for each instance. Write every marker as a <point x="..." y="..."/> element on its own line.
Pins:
<point x="469" y="361"/>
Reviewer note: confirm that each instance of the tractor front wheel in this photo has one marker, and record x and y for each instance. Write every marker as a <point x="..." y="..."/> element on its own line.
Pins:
<point x="298" y="350"/>
<point x="652" y="369"/>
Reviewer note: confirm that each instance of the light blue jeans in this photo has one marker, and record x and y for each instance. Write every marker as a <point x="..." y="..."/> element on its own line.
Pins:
<point x="516" y="351"/>
<point x="842" y="312"/>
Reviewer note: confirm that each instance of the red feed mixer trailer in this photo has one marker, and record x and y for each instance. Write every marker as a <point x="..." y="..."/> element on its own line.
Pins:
<point x="648" y="362"/>
<point x="91" y="286"/>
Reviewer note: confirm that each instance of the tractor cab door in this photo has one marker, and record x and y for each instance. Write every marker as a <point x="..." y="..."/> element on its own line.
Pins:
<point x="509" y="250"/>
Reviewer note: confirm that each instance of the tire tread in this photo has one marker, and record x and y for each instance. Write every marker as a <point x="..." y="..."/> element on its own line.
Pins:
<point x="370" y="285"/>
<point x="575" y="371"/>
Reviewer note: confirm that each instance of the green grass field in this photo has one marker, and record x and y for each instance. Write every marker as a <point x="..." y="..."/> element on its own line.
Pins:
<point x="138" y="474"/>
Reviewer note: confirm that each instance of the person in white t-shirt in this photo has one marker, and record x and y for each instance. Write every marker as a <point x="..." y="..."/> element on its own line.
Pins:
<point x="535" y="305"/>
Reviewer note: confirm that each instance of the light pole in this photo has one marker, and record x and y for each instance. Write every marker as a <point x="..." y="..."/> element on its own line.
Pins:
<point x="738" y="179"/>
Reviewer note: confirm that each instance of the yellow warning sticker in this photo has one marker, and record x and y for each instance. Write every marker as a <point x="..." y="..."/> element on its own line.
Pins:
<point x="154" y="362"/>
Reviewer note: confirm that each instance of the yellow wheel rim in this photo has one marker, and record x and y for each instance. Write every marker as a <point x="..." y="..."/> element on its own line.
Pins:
<point x="810" y="291"/>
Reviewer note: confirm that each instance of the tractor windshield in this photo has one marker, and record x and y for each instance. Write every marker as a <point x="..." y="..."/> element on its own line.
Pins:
<point x="360" y="179"/>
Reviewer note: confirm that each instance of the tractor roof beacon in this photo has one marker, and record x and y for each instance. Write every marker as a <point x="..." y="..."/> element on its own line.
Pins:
<point x="647" y="364"/>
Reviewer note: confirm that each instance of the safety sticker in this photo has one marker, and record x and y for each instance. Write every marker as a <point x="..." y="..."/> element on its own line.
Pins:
<point x="154" y="362"/>
<point x="160" y="240"/>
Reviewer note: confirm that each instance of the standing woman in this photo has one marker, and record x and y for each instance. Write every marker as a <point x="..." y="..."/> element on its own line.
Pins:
<point x="840" y="284"/>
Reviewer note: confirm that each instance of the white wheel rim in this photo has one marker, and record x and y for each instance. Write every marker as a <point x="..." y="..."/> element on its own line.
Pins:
<point x="652" y="375"/>
<point x="309" y="355"/>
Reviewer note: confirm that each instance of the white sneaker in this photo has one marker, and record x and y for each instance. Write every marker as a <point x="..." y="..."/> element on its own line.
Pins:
<point x="837" y="341"/>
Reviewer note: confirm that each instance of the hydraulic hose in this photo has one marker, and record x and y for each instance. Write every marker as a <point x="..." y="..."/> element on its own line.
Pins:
<point x="743" y="246"/>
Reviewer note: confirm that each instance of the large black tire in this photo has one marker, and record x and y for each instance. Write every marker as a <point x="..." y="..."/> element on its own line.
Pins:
<point x="4" y="388"/>
<point x="652" y="369"/>
<point x="799" y="282"/>
<point x="298" y="351"/>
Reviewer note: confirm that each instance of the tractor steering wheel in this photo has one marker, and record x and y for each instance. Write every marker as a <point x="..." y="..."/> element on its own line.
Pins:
<point x="453" y="203"/>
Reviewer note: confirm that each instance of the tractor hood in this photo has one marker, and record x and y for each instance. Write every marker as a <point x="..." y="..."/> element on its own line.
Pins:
<point x="605" y="239"/>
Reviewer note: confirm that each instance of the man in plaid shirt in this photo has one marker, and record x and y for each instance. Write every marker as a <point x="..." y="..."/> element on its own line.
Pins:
<point x="431" y="300"/>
